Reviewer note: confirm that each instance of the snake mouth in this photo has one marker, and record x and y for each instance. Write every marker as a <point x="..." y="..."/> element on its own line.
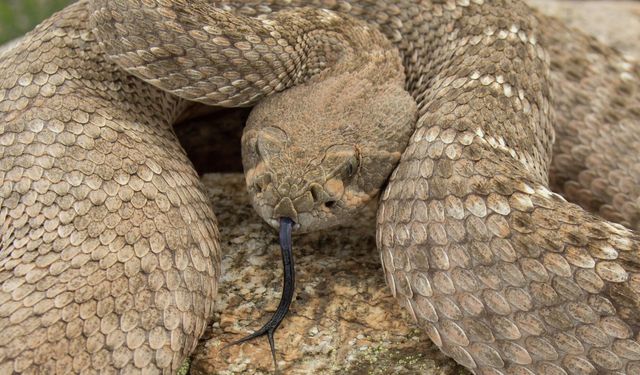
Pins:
<point x="288" y="287"/>
<point x="277" y="224"/>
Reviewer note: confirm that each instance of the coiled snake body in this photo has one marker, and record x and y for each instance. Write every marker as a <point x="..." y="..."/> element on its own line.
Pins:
<point x="109" y="252"/>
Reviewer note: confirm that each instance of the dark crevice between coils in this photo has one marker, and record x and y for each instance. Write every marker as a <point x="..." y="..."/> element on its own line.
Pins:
<point x="289" y="284"/>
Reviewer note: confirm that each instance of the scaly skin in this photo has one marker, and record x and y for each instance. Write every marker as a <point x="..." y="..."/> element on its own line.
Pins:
<point x="109" y="253"/>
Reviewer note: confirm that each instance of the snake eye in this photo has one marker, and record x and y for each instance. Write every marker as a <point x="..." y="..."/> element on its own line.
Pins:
<point x="352" y="166"/>
<point x="344" y="160"/>
<point x="271" y="140"/>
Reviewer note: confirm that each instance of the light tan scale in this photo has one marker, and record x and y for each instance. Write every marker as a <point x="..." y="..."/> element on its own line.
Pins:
<point x="462" y="116"/>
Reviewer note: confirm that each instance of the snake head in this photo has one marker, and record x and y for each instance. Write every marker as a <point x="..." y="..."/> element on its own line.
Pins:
<point x="321" y="151"/>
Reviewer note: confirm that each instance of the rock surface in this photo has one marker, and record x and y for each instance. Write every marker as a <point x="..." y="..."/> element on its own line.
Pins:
<point x="343" y="318"/>
<point x="616" y="23"/>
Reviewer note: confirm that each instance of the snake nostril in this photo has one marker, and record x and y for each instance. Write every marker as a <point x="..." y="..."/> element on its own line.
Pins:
<point x="317" y="193"/>
<point x="321" y="197"/>
<point x="261" y="182"/>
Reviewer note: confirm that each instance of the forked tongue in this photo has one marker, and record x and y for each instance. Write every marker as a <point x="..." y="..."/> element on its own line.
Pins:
<point x="289" y="284"/>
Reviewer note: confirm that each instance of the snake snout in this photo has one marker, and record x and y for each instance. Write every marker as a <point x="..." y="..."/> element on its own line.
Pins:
<point x="305" y="202"/>
<point x="285" y="208"/>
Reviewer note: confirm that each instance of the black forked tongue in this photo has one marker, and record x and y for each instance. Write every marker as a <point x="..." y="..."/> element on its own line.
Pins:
<point x="286" y="224"/>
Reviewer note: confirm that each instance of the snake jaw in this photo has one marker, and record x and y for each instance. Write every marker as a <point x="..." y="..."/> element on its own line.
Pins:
<point x="315" y="209"/>
<point x="311" y="203"/>
<point x="275" y="223"/>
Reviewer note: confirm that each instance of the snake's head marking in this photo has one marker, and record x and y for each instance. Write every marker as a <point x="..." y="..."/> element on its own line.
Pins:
<point x="319" y="152"/>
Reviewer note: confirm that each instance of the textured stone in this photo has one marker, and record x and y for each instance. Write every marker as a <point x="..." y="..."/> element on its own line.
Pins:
<point x="343" y="318"/>
<point x="617" y="23"/>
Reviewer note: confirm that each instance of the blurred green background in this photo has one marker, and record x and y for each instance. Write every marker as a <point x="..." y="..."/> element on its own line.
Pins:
<point x="19" y="16"/>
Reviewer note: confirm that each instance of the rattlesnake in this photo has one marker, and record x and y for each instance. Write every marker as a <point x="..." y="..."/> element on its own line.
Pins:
<point x="109" y="253"/>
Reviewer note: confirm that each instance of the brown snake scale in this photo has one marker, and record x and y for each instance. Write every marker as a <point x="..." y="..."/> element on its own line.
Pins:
<point x="109" y="254"/>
